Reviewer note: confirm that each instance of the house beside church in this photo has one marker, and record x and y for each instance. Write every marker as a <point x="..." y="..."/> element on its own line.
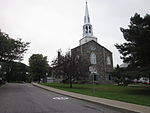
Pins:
<point x="99" y="57"/>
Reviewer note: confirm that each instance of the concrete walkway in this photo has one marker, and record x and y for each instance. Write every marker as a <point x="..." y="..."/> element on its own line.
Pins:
<point x="106" y="102"/>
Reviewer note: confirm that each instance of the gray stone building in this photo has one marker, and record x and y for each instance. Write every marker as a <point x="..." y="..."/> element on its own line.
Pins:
<point x="99" y="57"/>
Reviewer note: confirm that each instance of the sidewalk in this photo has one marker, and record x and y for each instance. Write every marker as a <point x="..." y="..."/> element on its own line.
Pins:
<point x="106" y="102"/>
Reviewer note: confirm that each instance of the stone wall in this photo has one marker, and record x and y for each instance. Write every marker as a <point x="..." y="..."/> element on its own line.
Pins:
<point x="103" y="65"/>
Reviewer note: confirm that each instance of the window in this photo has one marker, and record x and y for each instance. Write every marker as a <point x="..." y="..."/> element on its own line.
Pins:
<point x="89" y="29"/>
<point x="95" y="77"/>
<point x="93" y="58"/>
<point x="86" y="29"/>
<point x="108" y="61"/>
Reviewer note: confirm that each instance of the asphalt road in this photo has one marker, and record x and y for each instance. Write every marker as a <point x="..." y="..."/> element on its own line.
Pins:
<point x="26" y="98"/>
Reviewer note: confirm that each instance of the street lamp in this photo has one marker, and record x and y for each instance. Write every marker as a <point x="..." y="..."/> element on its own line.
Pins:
<point x="92" y="73"/>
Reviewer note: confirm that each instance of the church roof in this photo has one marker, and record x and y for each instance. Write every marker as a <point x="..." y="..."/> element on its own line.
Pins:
<point x="92" y="41"/>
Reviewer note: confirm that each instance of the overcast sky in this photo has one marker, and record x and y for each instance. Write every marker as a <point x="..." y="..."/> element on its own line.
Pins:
<point x="57" y="24"/>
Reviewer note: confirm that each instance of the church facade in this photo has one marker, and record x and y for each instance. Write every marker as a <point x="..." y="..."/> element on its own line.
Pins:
<point x="99" y="57"/>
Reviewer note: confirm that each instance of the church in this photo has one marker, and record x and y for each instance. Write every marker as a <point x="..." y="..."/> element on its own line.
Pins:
<point x="99" y="57"/>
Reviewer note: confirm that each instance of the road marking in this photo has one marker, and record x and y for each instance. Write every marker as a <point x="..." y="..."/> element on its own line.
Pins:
<point x="30" y="86"/>
<point x="60" y="98"/>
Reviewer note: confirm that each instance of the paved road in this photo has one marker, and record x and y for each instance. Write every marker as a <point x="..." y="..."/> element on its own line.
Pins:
<point x="26" y="98"/>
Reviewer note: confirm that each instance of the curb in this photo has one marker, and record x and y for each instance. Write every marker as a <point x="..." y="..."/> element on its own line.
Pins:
<point x="2" y="85"/>
<point x="124" y="107"/>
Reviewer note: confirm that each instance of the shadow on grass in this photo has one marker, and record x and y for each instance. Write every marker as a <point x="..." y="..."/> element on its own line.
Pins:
<point x="143" y="92"/>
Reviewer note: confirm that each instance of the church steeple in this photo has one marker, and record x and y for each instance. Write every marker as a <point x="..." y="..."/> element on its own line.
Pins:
<point x="86" y="17"/>
<point x="87" y="28"/>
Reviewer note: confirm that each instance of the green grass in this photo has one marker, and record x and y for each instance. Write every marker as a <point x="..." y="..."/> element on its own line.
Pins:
<point x="137" y="94"/>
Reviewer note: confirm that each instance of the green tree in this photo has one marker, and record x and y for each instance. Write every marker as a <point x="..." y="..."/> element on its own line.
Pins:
<point x="11" y="49"/>
<point x="70" y="68"/>
<point x="14" y="72"/>
<point x="123" y="76"/>
<point x="38" y="66"/>
<point x="135" y="51"/>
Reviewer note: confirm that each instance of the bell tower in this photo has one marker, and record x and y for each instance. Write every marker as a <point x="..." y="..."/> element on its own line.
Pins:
<point x="87" y="28"/>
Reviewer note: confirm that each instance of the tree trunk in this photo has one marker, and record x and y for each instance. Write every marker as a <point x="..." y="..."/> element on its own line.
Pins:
<point x="70" y="81"/>
<point x="39" y="79"/>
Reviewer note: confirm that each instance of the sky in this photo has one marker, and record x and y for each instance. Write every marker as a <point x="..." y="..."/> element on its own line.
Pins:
<point x="51" y="25"/>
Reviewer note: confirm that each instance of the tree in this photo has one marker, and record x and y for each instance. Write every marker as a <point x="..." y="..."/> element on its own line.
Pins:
<point x="38" y="66"/>
<point x="11" y="49"/>
<point x="70" y="68"/>
<point x="135" y="51"/>
<point x="15" y="72"/>
<point x="122" y="76"/>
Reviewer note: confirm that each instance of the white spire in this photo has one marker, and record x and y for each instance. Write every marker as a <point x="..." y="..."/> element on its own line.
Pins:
<point x="87" y="28"/>
<point x="86" y="17"/>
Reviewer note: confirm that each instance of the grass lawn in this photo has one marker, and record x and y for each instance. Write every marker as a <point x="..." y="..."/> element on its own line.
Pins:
<point x="137" y="94"/>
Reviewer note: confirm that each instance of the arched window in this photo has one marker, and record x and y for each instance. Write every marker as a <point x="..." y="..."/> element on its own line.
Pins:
<point x="108" y="60"/>
<point x="93" y="58"/>
<point x="86" y="29"/>
<point x="89" y="29"/>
